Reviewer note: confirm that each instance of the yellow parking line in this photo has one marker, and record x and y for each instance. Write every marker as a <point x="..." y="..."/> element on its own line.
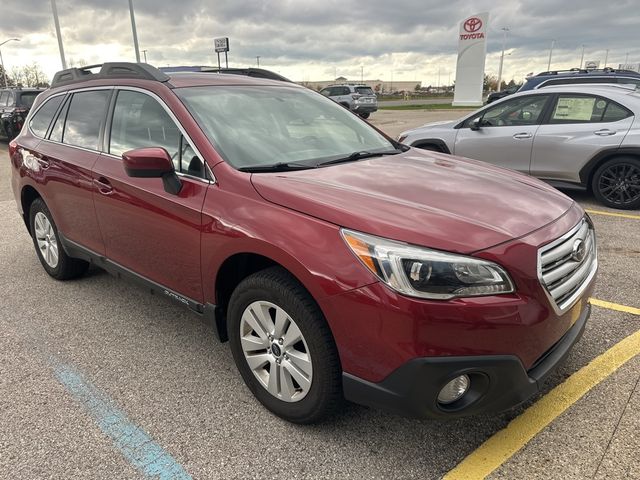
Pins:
<point x="505" y="443"/>
<point x="611" y="214"/>
<point x="614" y="306"/>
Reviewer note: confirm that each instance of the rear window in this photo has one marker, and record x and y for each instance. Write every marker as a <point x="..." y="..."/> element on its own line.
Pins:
<point x="3" y="98"/>
<point x="41" y="120"/>
<point x="364" y="90"/>
<point x="27" y="98"/>
<point x="85" y="118"/>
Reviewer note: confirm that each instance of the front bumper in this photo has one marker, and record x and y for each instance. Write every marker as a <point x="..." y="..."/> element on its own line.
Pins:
<point x="498" y="382"/>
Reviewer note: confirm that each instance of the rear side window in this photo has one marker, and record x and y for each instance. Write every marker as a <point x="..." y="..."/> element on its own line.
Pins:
<point x="85" y="119"/>
<point x="3" y="98"/>
<point x="586" y="109"/>
<point x="11" y="100"/>
<point x="42" y="119"/>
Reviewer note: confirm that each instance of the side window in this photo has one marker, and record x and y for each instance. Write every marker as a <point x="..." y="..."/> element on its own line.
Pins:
<point x="140" y="121"/>
<point x="11" y="100"/>
<point x="85" y="119"/>
<point x="58" y="125"/>
<point x="578" y="109"/>
<point x="3" y="98"/>
<point x="325" y="91"/>
<point x="345" y="91"/>
<point x="615" y="113"/>
<point x="42" y="119"/>
<point x="515" y="112"/>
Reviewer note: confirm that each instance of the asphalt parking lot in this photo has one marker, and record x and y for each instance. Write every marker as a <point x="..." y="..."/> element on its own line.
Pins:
<point x="99" y="379"/>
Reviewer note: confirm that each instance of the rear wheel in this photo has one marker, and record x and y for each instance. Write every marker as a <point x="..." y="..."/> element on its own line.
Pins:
<point x="616" y="183"/>
<point x="283" y="348"/>
<point x="47" y="243"/>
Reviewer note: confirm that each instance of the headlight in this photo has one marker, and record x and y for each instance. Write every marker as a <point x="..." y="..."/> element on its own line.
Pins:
<point x="426" y="273"/>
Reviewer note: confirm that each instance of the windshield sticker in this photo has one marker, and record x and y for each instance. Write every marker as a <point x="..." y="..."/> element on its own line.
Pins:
<point x="577" y="108"/>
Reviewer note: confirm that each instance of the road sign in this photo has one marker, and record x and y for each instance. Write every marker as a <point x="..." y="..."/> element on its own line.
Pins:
<point x="221" y="44"/>
<point x="592" y="64"/>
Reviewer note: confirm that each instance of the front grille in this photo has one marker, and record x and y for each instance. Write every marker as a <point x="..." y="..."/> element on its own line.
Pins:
<point x="563" y="271"/>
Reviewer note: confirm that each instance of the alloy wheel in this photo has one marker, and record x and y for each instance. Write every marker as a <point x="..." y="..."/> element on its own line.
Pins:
<point x="620" y="183"/>
<point x="276" y="351"/>
<point x="46" y="239"/>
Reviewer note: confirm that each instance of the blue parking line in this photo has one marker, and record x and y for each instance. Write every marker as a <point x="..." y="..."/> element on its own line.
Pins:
<point x="133" y="442"/>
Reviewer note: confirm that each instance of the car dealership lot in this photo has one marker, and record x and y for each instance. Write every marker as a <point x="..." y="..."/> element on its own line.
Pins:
<point x="77" y="358"/>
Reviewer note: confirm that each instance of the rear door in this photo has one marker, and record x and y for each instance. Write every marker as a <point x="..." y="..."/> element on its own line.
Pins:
<point x="579" y="126"/>
<point x="145" y="229"/>
<point x="66" y="157"/>
<point x="506" y="132"/>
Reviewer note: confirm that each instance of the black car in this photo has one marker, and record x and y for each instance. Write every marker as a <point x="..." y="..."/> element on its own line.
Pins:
<point x="15" y="104"/>
<point x="501" y="94"/>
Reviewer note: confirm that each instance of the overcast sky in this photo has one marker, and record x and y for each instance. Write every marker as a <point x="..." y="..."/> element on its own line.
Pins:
<point x="312" y="40"/>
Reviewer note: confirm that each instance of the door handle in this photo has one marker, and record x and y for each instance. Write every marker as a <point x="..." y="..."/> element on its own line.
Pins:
<point x="104" y="187"/>
<point x="522" y="135"/>
<point x="605" y="132"/>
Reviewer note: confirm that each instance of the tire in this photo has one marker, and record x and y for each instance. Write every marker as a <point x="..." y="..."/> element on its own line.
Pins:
<point x="616" y="183"/>
<point x="364" y="114"/>
<point x="304" y="395"/>
<point x="46" y="241"/>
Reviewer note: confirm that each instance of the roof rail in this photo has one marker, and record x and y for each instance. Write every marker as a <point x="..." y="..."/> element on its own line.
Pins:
<point x="109" y="70"/>
<point x="249" y="72"/>
<point x="584" y="70"/>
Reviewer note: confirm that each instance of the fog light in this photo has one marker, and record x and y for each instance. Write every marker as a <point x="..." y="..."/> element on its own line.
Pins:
<point x="454" y="390"/>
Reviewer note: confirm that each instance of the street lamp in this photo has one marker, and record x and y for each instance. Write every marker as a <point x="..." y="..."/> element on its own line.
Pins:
<point x="504" y="44"/>
<point x="4" y="71"/>
<point x="553" y="42"/>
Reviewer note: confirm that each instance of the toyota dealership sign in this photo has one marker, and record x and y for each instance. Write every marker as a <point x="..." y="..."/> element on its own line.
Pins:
<point x="472" y="50"/>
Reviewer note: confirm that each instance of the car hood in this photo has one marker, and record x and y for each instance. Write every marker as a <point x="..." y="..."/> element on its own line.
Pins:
<point x="420" y="197"/>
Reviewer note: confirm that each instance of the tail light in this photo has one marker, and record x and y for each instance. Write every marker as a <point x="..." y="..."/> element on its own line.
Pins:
<point x="20" y="110"/>
<point x="13" y="147"/>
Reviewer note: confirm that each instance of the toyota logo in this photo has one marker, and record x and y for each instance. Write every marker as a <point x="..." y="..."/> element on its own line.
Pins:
<point x="472" y="24"/>
<point x="578" y="252"/>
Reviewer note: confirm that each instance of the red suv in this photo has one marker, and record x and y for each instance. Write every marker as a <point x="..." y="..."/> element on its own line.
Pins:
<point x="338" y="263"/>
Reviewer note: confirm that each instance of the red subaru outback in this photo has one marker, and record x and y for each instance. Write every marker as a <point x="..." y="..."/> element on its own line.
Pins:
<point x="338" y="263"/>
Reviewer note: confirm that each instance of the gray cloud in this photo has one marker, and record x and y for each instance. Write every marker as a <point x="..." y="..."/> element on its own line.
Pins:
<point x="411" y="35"/>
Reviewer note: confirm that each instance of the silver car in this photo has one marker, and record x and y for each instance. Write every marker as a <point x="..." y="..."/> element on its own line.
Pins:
<point x="360" y="99"/>
<point x="568" y="135"/>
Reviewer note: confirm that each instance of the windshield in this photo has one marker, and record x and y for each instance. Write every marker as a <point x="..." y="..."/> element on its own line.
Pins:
<point x="261" y="126"/>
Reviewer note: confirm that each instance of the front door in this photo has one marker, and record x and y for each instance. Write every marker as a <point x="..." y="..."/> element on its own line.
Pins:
<point x="145" y="229"/>
<point x="503" y="133"/>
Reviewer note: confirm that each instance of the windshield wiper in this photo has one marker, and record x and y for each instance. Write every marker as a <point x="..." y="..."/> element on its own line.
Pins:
<point x="276" y="167"/>
<point x="358" y="156"/>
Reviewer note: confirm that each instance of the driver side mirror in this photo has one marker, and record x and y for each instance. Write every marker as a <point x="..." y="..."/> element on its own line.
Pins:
<point x="152" y="162"/>
<point x="476" y="123"/>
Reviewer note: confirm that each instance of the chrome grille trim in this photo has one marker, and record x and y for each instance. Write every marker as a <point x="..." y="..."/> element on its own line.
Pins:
<point x="563" y="278"/>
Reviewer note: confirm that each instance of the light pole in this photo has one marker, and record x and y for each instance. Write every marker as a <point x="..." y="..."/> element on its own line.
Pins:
<point x="606" y="58"/>
<point x="258" y="60"/>
<point x="4" y="71"/>
<point x="135" y="32"/>
<point x="582" y="57"/>
<point x="553" y="42"/>
<point x="144" y="52"/>
<point x="626" y="60"/>
<point x="504" y="45"/>
<point x="54" y="9"/>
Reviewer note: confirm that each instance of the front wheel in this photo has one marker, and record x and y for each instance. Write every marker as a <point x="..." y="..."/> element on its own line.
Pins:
<point x="616" y="183"/>
<point x="283" y="348"/>
<point x="364" y="114"/>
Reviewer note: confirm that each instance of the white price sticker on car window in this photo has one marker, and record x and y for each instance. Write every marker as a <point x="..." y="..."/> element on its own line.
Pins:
<point x="574" y="108"/>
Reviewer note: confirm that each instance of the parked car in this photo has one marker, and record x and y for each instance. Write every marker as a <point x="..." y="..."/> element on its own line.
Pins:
<point x="360" y="99"/>
<point x="337" y="262"/>
<point x="571" y="77"/>
<point x="580" y="76"/>
<point x="585" y="136"/>
<point x="493" y="96"/>
<point x="15" y="104"/>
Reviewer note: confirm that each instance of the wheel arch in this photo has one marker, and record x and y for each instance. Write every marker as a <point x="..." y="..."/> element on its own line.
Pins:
<point x="587" y="172"/>
<point x="239" y="265"/>
<point x="27" y="196"/>
<point x="436" y="142"/>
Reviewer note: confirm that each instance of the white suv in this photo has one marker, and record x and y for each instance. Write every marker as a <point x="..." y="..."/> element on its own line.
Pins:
<point x="359" y="99"/>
